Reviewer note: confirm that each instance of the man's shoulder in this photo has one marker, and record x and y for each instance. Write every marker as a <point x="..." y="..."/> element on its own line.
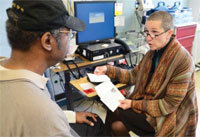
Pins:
<point x="26" y="96"/>
<point x="33" y="108"/>
<point x="21" y="75"/>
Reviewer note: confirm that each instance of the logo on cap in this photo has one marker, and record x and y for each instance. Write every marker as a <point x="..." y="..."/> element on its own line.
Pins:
<point x="15" y="6"/>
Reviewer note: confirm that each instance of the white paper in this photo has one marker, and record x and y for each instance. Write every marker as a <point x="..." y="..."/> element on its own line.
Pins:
<point x="86" y="86"/>
<point x="119" y="21"/>
<point x="118" y="8"/>
<point x="98" y="78"/>
<point x="109" y="95"/>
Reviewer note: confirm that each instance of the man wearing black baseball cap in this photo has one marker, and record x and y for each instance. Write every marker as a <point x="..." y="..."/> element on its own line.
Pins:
<point x="42" y="15"/>
<point x="39" y="33"/>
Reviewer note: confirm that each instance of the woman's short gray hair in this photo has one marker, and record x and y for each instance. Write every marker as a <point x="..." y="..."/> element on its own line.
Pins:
<point x="164" y="17"/>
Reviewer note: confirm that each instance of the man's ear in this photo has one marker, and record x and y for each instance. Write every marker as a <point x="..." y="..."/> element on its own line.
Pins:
<point x="47" y="41"/>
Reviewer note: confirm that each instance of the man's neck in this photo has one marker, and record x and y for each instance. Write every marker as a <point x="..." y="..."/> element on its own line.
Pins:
<point x="25" y="60"/>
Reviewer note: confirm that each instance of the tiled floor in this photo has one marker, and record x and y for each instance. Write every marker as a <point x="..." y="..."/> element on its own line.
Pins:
<point x="98" y="108"/>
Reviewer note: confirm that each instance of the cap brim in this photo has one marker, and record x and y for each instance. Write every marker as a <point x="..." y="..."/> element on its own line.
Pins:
<point x="74" y="23"/>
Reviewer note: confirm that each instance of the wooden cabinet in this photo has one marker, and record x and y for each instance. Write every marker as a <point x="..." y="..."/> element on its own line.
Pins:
<point x="185" y="35"/>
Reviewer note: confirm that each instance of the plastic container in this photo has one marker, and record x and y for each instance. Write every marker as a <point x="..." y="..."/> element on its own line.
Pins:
<point x="187" y="14"/>
<point x="160" y="7"/>
<point x="176" y="12"/>
<point x="177" y="6"/>
<point x="180" y="15"/>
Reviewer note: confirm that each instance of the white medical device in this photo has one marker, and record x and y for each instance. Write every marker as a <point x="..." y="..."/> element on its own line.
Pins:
<point x="144" y="5"/>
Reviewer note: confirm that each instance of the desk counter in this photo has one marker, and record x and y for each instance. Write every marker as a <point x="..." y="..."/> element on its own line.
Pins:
<point x="76" y="83"/>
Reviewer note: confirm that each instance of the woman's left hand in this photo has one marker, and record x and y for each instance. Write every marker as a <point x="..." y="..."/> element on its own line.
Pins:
<point x="125" y="104"/>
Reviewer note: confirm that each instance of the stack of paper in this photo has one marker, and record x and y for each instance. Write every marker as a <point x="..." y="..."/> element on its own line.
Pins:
<point x="109" y="95"/>
<point x="87" y="87"/>
<point x="97" y="78"/>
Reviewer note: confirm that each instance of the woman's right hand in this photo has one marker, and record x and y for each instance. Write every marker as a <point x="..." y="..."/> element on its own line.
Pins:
<point x="101" y="70"/>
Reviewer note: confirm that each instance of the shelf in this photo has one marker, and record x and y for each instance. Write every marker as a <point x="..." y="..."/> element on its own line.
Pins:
<point x="87" y="63"/>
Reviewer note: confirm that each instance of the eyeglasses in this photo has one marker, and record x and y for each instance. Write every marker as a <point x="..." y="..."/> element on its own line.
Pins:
<point x="71" y="34"/>
<point x="153" y="36"/>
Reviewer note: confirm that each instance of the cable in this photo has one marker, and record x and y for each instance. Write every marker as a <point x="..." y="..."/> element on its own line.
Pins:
<point x="71" y="71"/>
<point x="130" y="59"/>
<point x="80" y="75"/>
<point x="125" y="59"/>
<point x="76" y="77"/>
<point x="139" y="19"/>
<point x="61" y="81"/>
<point x="132" y="66"/>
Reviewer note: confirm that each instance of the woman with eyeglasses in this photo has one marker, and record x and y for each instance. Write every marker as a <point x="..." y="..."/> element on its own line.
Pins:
<point x="164" y="101"/>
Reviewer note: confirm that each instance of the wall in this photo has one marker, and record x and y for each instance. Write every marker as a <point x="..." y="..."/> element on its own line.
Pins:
<point x="171" y="2"/>
<point x="131" y="22"/>
<point x="4" y="46"/>
<point x="195" y="5"/>
<point x="128" y="11"/>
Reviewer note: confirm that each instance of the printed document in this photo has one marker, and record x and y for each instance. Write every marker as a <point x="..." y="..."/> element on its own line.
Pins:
<point x="97" y="78"/>
<point x="109" y="95"/>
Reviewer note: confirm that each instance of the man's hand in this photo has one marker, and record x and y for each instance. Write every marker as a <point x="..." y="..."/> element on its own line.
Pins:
<point x="81" y="117"/>
<point x="100" y="70"/>
<point x="125" y="104"/>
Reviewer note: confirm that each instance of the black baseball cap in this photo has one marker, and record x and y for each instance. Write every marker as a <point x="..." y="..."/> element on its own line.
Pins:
<point x="42" y="15"/>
